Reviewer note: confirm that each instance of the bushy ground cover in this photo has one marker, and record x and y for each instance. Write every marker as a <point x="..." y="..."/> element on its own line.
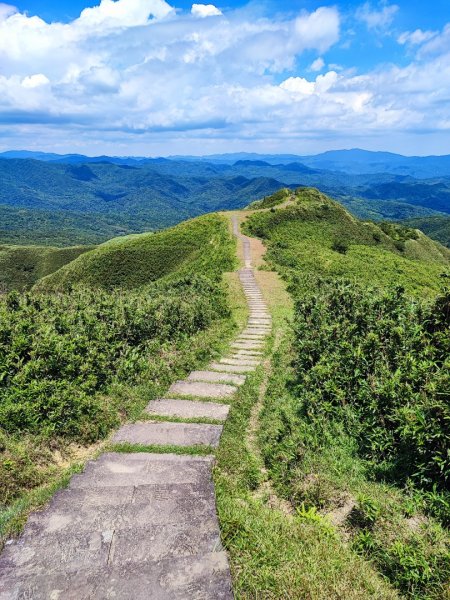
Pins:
<point x="354" y="429"/>
<point x="75" y="363"/>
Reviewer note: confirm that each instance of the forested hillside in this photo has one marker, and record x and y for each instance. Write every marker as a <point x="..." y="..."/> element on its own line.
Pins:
<point x="75" y="200"/>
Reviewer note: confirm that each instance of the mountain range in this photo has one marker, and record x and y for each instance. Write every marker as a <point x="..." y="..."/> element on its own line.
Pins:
<point x="72" y="199"/>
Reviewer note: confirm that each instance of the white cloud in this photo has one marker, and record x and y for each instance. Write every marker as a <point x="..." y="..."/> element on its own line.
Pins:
<point x="377" y="18"/>
<point x="140" y="67"/>
<point x="6" y="10"/>
<point x="34" y="81"/>
<point x="317" y="65"/>
<point x="205" y="10"/>
<point x="416" y="37"/>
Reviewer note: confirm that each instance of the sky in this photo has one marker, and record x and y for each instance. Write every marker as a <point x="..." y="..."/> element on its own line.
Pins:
<point x="154" y="78"/>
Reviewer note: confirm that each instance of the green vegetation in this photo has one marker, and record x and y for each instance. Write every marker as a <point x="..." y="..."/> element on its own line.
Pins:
<point x="75" y="363"/>
<point x="437" y="228"/>
<point x="202" y="245"/>
<point x="22" y="266"/>
<point x="315" y="236"/>
<point x="353" y="429"/>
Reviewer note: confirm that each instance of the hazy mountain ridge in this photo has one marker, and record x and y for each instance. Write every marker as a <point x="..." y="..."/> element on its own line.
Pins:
<point x="133" y="194"/>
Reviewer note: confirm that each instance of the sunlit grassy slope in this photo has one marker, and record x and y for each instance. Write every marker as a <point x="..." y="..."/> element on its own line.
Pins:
<point x="200" y="245"/>
<point x="310" y="234"/>
<point x="22" y="266"/>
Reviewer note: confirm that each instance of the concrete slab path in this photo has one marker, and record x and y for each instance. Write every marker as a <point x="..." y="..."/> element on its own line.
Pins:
<point x="143" y="525"/>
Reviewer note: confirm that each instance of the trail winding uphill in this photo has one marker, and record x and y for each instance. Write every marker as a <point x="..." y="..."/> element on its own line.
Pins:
<point x="141" y="522"/>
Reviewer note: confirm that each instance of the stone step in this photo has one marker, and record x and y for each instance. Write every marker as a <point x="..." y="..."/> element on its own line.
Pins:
<point x="248" y="345"/>
<point x="242" y="360"/>
<point x="230" y="368"/>
<point x="202" y="390"/>
<point x="213" y="377"/>
<point x="187" y="409"/>
<point x="249" y="353"/>
<point x="202" y="576"/>
<point x="143" y="505"/>
<point x="72" y="550"/>
<point x="168" y="434"/>
<point x="115" y="469"/>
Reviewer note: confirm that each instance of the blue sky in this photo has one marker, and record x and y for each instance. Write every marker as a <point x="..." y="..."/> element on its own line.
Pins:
<point x="155" y="77"/>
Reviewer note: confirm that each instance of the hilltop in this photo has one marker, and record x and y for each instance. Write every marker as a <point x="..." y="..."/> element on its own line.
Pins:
<point x="310" y="234"/>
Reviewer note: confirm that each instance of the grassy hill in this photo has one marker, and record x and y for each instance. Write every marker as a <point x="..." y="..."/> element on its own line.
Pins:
<point x="437" y="228"/>
<point x="22" y="266"/>
<point x="76" y="363"/>
<point x="354" y="427"/>
<point x="313" y="235"/>
<point x="200" y="245"/>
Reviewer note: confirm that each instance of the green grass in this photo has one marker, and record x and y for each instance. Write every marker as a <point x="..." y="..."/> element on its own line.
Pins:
<point x="22" y="266"/>
<point x="125" y="448"/>
<point x="201" y="245"/>
<point x="319" y="471"/>
<point x="317" y="237"/>
<point x="276" y="555"/>
<point x="437" y="228"/>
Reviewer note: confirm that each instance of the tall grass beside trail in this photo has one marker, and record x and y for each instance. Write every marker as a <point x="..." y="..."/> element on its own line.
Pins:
<point x="356" y="426"/>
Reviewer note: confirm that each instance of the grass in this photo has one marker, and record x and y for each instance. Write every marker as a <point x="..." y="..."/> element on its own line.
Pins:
<point x="125" y="448"/>
<point x="22" y="266"/>
<point x="201" y="245"/>
<point x="276" y="555"/>
<point x="314" y="236"/>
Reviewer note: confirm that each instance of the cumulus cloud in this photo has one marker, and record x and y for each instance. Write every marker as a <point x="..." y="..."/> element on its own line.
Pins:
<point x="34" y="81"/>
<point x="205" y="10"/>
<point x="377" y="17"/>
<point x="6" y="10"/>
<point x="141" y="70"/>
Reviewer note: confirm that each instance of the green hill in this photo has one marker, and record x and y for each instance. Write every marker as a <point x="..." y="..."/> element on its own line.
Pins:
<point x="22" y="266"/>
<point x="437" y="228"/>
<point x="201" y="245"/>
<point x="313" y="235"/>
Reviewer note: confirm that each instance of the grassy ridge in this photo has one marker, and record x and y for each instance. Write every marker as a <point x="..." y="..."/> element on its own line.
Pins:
<point x="201" y="245"/>
<point x="437" y="228"/>
<point x="75" y="363"/>
<point x="354" y="425"/>
<point x="22" y="266"/>
<point x="316" y="236"/>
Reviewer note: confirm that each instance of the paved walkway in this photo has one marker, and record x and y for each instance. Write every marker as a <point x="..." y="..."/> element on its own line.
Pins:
<point x="142" y="525"/>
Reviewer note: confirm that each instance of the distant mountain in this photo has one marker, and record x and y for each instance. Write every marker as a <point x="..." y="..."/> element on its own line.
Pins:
<point x="81" y="199"/>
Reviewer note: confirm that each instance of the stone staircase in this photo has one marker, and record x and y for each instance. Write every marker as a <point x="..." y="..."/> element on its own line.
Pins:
<point x="143" y="525"/>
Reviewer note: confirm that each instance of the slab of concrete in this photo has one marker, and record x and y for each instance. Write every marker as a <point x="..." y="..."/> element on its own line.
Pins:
<point x="230" y="368"/>
<point x="187" y="409"/>
<point x="205" y="577"/>
<point x="214" y="377"/>
<point x="115" y="469"/>
<point x="202" y="390"/>
<point x="169" y="434"/>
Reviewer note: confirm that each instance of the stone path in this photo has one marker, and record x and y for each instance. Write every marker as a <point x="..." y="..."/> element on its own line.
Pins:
<point x="143" y="525"/>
